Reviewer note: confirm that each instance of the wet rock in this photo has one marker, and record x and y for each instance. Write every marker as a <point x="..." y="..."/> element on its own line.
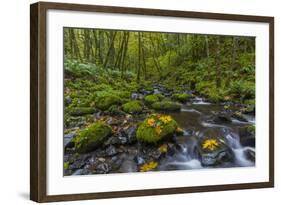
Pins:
<point x="250" y="155"/>
<point x="247" y="136"/>
<point x="137" y="96"/>
<point x="221" y="117"/>
<point x="103" y="168"/>
<point x="128" y="165"/>
<point x="239" y="116"/>
<point x="115" y="163"/>
<point x="116" y="140"/>
<point x="212" y="148"/>
<point x="111" y="150"/>
<point x="139" y="160"/>
<point x="131" y="134"/>
<point x="78" y="172"/>
<point x="67" y="143"/>
<point x="145" y="92"/>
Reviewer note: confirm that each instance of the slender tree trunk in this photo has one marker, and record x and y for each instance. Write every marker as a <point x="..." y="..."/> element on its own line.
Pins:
<point x="124" y="53"/>
<point x="218" y="63"/>
<point x="143" y="61"/>
<point x="109" y="50"/>
<point x="75" y="45"/>
<point x="139" y="57"/>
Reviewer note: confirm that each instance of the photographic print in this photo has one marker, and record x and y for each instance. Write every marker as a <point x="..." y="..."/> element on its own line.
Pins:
<point x="136" y="102"/>
<point x="140" y="101"/>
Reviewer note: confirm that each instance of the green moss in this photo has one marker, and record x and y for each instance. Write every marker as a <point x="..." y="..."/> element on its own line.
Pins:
<point x="91" y="137"/>
<point x="114" y="110"/>
<point x="251" y="129"/>
<point x="181" y="97"/>
<point x="78" y="111"/>
<point x="150" y="99"/>
<point x="166" y="106"/>
<point x="132" y="107"/>
<point x="66" y="165"/>
<point x="106" y="100"/>
<point x="156" y="128"/>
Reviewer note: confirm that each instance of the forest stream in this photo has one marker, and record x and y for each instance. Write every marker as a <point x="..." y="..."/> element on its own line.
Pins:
<point x="198" y="119"/>
<point x="139" y="101"/>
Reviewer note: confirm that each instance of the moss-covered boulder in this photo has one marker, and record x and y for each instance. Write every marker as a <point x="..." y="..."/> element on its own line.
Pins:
<point x="78" y="111"/>
<point x="91" y="137"/>
<point x="115" y="110"/>
<point x="132" y="107"/>
<point x="166" y="106"/>
<point x="150" y="99"/>
<point x="181" y="97"/>
<point x="105" y="101"/>
<point x="155" y="128"/>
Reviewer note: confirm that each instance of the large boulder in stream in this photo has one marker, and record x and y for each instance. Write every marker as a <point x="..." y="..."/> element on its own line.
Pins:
<point x="213" y="150"/>
<point x="150" y="99"/>
<point x="91" y="137"/>
<point x="132" y="107"/>
<point x="166" y="106"/>
<point x="181" y="97"/>
<point x="155" y="128"/>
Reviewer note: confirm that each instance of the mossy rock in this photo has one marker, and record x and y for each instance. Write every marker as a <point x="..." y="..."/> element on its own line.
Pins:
<point x="150" y="99"/>
<point x="79" y="111"/>
<point x="114" y="110"/>
<point x="155" y="128"/>
<point x="132" y="107"/>
<point x="166" y="106"/>
<point x="103" y="102"/>
<point x="91" y="137"/>
<point x="181" y="97"/>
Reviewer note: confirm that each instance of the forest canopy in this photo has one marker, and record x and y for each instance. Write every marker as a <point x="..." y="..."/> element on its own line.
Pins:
<point x="221" y="68"/>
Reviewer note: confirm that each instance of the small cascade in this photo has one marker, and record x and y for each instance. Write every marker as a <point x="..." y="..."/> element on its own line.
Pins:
<point x="239" y="151"/>
<point x="199" y="101"/>
<point x="250" y="118"/>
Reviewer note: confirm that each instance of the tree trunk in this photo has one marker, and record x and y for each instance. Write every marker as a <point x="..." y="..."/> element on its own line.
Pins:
<point x="218" y="63"/>
<point x="109" y="50"/>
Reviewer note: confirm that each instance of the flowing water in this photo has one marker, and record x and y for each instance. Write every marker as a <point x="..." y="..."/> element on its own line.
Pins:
<point x="193" y="119"/>
<point x="196" y="118"/>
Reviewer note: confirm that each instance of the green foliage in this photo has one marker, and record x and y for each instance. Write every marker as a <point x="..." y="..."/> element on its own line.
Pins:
<point x="91" y="137"/>
<point x="166" y="106"/>
<point x="181" y="97"/>
<point x="243" y="90"/>
<point x="66" y="165"/>
<point x="155" y="128"/>
<point x="132" y="107"/>
<point x="251" y="129"/>
<point x="221" y="68"/>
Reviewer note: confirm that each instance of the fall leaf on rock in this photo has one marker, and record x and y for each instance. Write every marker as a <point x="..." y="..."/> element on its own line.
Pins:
<point x="210" y="144"/>
<point x="150" y="122"/>
<point x="148" y="166"/>
<point x="163" y="148"/>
